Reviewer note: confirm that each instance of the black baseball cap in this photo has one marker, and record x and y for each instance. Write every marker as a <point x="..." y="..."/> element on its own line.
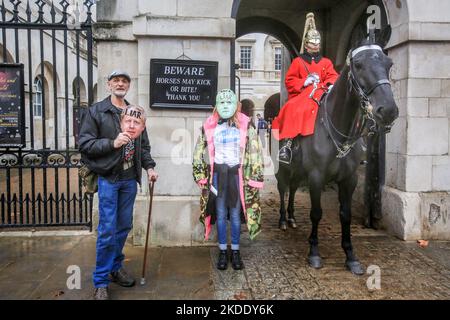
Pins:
<point x="119" y="73"/>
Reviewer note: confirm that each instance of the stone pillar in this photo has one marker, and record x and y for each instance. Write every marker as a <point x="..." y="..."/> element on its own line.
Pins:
<point x="286" y="63"/>
<point x="416" y="199"/>
<point x="130" y="33"/>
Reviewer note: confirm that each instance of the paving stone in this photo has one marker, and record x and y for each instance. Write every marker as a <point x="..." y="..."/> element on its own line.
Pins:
<point x="276" y="264"/>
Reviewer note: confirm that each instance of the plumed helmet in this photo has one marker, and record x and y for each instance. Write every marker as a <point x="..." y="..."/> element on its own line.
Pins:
<point x="310" y="33"/>
<point x="313" y="36"/>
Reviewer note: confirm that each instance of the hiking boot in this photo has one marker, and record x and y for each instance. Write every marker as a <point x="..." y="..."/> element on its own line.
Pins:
<point x="222" y="263"/>
<point x="122" y="278"/>
<point x="285" y="153"/>
<point x="101" y="293"/>
<point x="236" y="261"/>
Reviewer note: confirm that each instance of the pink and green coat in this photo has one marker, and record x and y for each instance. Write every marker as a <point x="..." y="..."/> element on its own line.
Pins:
<point x="251" y="175"/>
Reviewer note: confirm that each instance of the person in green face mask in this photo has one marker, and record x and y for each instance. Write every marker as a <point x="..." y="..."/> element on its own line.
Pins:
<point x="230" y="184"/>
<point x="226" y="104"/>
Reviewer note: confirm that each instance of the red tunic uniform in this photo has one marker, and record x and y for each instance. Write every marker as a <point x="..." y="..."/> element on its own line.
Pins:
<point x="298" y="115"/>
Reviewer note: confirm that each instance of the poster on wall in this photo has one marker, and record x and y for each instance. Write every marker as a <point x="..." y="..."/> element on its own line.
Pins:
<point x="12" y="106"/>
<point x="183" y="84"/>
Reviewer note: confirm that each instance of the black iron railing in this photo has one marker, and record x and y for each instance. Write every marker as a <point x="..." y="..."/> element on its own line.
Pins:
<point x="39" y="183"/>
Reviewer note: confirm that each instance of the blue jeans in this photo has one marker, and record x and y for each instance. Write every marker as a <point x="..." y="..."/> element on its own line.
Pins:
<point x="116" y="202"/>
<point x="222" y="211"/>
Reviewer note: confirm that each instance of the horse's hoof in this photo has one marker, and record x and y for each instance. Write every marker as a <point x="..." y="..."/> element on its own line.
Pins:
<point x="292" y="223"/>
<point x="315" y="262"/>
<point x="283" y="226"/>
<point x="355" y="267"/>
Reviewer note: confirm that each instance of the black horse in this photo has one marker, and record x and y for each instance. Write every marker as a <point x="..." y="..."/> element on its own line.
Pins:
<point x="360" y="102"/>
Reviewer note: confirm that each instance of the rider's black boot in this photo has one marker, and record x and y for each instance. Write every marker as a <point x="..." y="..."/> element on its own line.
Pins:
<point x="285" y="153"/>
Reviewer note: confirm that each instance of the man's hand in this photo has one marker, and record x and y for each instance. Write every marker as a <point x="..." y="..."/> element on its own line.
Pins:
<point x="121" y="140"/>
<point x="152" y="175"/>
<point x="311" y="79"/>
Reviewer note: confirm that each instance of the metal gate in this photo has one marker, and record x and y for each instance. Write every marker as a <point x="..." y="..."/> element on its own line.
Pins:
<point x="39" y="182"/>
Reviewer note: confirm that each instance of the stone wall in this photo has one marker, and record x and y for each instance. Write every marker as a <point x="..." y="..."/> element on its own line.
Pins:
<point x="416" y="196"/>
<point x="129" y="34"/>
<point x="415" y="200"/>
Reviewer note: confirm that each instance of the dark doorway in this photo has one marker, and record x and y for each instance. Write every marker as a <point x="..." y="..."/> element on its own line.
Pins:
<point x="272" y="107"/>
<point x="248" y="107"/>
<point x="338" y="22"/>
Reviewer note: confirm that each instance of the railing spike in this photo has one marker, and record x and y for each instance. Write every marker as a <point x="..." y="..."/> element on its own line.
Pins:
<point x="3" y="11"/>
<point x="88" y="4"/>
<point x="53" y="12"/>
<point x="28" y="11"/>
<point x="40" y="4"/>
<point x="15" y="3"/>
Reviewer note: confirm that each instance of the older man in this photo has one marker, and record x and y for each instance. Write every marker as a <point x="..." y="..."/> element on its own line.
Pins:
<point x="114" y="144"/>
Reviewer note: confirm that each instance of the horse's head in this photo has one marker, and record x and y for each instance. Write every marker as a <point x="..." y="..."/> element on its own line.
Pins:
<point x="369" y="74"/>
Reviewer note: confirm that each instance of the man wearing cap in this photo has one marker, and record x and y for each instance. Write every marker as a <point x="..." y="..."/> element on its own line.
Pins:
<point x="308" y="77"/>
<point x="114" y="144"/>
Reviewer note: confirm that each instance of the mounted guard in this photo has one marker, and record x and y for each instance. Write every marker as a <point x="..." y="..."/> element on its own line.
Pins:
<point x="308" y="77"/>
<point x="360" y="102"/>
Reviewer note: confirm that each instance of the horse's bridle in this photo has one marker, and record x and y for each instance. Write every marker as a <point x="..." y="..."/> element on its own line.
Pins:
<point x="367" y="109"/>
<point x="364" y="94"/>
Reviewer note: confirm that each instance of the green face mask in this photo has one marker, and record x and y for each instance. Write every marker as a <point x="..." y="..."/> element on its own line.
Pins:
<point x="226" y="103"/>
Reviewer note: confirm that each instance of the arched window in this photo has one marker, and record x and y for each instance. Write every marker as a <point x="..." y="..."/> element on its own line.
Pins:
<point x="79" y="92"/>
<point x="37" y="103"/>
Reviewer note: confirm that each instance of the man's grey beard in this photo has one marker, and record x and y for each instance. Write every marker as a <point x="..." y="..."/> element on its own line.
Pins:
<point x="120" y="94"/>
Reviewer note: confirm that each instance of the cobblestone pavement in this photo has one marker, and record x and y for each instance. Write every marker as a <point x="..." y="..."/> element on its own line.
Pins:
<point x="276" y="266"/>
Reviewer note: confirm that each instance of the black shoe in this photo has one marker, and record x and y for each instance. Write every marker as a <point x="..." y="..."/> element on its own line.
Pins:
<point x="285" y="153"/>
<point x="236" y="261"/>
<point x="122" y="278"/>
<point x="101" y="293"/>
<point x="222" y="263"/>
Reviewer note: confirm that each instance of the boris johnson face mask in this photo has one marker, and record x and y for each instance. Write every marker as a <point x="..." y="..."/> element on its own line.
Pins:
<point x="133" y="122"/>
<point x="226" y="103"/>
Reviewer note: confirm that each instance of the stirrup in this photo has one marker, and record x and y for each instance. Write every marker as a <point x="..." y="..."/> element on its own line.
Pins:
<point x="287" y="146"/>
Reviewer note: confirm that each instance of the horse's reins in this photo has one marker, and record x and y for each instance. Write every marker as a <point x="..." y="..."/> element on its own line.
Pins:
<point x="356" y="131"/>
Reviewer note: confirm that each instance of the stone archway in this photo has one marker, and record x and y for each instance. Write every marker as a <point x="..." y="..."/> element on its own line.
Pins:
<point x="269" y="26"/>
<point x="80" y="101"/>
<point x="50" y="113"/>
<point x="409" y="200"/>
<point x="9" y="57"/>
<point x="285" y="19"/>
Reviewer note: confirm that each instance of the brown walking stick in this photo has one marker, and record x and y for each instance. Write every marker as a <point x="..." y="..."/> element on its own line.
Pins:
<point x="151" y="184"/>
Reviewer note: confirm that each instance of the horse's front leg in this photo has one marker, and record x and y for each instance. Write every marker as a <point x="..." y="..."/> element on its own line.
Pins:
<point x="346" y="189"/>
<point x="292" y="190"/>
<point x="315" y="190"/>
<point x="282" y="224"/>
